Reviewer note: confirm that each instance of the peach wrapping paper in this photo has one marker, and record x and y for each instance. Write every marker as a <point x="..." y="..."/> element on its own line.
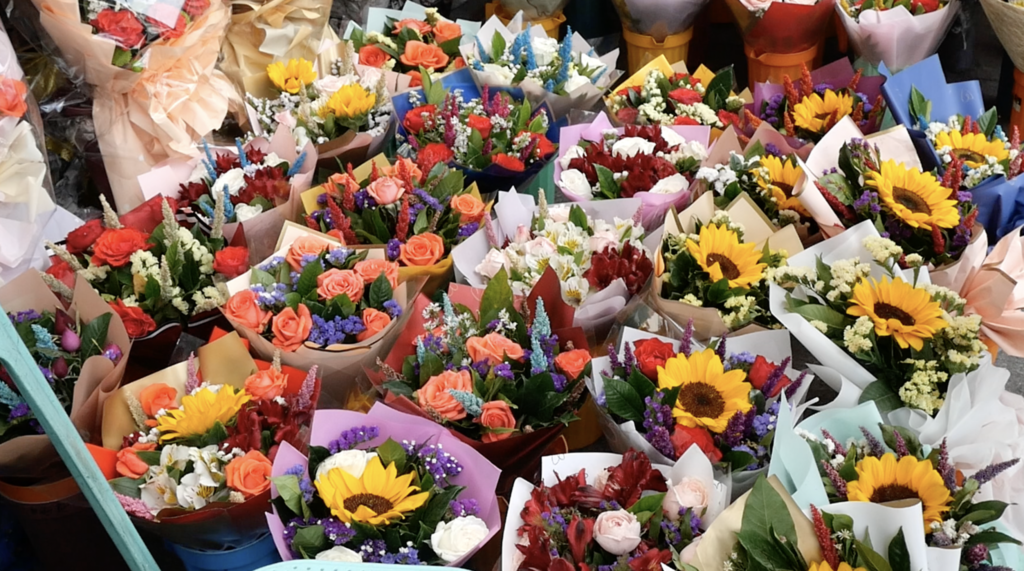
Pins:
<point x="143" y="118"/>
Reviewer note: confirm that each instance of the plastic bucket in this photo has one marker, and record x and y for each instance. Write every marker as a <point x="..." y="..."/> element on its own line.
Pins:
<point x="770" y="67"/>
<point x="642" y="49"/>
<point x="586" y="430"/>
<point x="552" y="25"/>
<point x="842" y="38"/>
<point x="1017" y="104"/>
<point x="255" y="555"/>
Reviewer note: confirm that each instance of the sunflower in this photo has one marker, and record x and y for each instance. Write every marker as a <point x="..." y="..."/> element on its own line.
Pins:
<point x="352" y="100"/>
<point x="293" y="76"/>
<point x="782" y="176"/>
<point x="916" y="197"/>
<point x="721" y="255"/>
<point x="887" y="480"/>
<point x="378" y="496"/>
<point x="817" y="115"/>
<point x="971" y="148"/>
<point x="200" y="412"/>
<point x="824" y="566"/>
<point x="708" y="395"/>
<point x="899" y="309"/>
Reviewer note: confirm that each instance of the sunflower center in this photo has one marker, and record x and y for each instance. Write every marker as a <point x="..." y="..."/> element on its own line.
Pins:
<point x="910" y="200"/>
<point x="969" y="155"/>
<point x="892" y="493"/>
<point x="729" y="269"/>
<point x="787" y="189"/>
<point x="701" y="400"/>
<point x="376" y="503"/>
<point x="886" y="311"/>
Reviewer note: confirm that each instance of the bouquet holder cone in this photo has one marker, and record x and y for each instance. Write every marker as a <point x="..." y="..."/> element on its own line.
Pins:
<point x="642" y="48"/>
<point x="766" y="67"/>
<point x="552" y="24"/>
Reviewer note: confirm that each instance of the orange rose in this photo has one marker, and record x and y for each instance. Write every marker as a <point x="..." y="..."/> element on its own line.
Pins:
<point x="496" y="414"/>
<point x="414" y="171"/>
<point x="416" y="80"/>
<point x="114" y="248"/>
<point x="459" y="62"/>
<point x="370" y="270"/>
<point x="157" y="397"/>
<point x="375" y="322"/>
<point x="508" y="162"/>
<point x="446" y="31"/>
<point x="249" y="474"/>
<point x="129" y="464"/>
<point x="335" y="282"/>
<point x="12" y="97"/>
<point x="420" y="54"/>
<point x="572" y="363"/>
<point x="493" y="348"/>
<point x="291" y="329"/>
<point x="373" y="56"/>
<point x="243" y="310"/>
<point x="421" y="27"/>
<point x="434" y="395"/>
<point x="267" y="384"/>
<point x="422" y="250"/>
<point x="304" y="245"/>
<point x="386" y="190"/>
<point x="469" y="207"/>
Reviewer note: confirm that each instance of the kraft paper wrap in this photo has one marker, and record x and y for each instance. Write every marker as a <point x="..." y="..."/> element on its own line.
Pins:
<point x="143" y="118"/>
<point x="33" y="457"/>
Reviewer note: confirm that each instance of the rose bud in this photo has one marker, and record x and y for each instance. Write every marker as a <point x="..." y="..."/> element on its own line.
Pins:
<point x="113" y="352"/>
<point x="70" y="341"/>
<point x="62" y="322"/>
<point x="60" y="368"/>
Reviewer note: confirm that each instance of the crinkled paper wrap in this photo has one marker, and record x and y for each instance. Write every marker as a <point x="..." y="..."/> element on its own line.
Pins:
<point x="707" y="322"/>
<point x="1008" y="22"/>
<point x="692" y="464"/>
<point x="783" y="28"/>
<point x="143" y="118"/>
<point x="896" y="36"/>
<point x="479" y="477"/>
<point x="586" y="97"/>
<point x="33" y="457"/>
<point x="731" y="142"/>
<point x="658" y="18"/>
<point x="341" y="366"/>
<point x="654" y="206"/>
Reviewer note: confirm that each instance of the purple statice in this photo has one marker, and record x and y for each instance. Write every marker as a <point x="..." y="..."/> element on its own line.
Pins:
<point x="393" y="308"/>
<point x="34" y="425"/>
<point x="309" y="259"/>
<point x="975" y="554"/>
<point x="427" y="199"/>
<point x="481" y="367"/>
<point x="337" y="532"/>
<point x="372" y="550"/>
<point x="771" y="111"/>
<point x="765" y="423"/>
<point x="441" y="465"/>
<point x="867" y="203"/>
<point x="671" y="532"/>
<point x="305" y="485"/>
<point x="503" y="370"/>
<point x="269" y="299"/>
<point x="795" y="385"/>
<point x="23" y="316"/>
<point x="601" y="399"/>
<point x="415" y="208"/>
<point x="294" y="278"/>
<point x="758" y="453"/>
<point x="271" y="264"/>
<point x="875" y="447"/>
<point x="353" y="437"/>
<point x="776" y="375"/>
<point x="720" y="347"/>
<point x="658" y="423"/>
<point x="405" y="556"/>
<point x="338" y="256"/>
<point x="695" y="524"/>
<point x="393" y="249"/>
<point x="897" y="231"/>
<point x="821" y="88"/>
<point x="988" y="473"/>
<point x="336" y="330"/>
<point x="364" y="200"/>
<point x="321" y="199"/>
<point x="735" y="433"/>
<point x="463" y="508"/>
<point x="837" y="481"/>
<point x="686" y="344"/>
<point x="867" y="103"/>
<point x="48" y="374"/>
<point x="432" y="343"/>
<point x="111" y="351"/>
<point x="964" y="196"/>
<point x="20" y="410"/>
<point x="771" y="150"/>
<point x="741" y="361"/>
<point x="840" y="450"/>
<point x="945" y="468"/>
<point x="560" y="382"/>
<point x="613" y="356"/>
<point x="629" y="359"/>
<point x="467" y="230"/>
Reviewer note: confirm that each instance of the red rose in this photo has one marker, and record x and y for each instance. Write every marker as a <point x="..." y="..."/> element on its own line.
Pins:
<point x="761" y="370"/>
<point x="135" y="320"/>
<point x="195" y="8"/>
<point x="728" y="118"/>
<point x="509" y="162"/>
<point x="232" y="261"/>
<point x="115" y="247"/>
<point x="545" y="148"/>
<point x="650" y="354"/>
<point x="685" y="121"/>
<point x="146" y="216"/>
<point x="627" y="115"/>
<point x="432" y="154"/>
<point x="82" y="238"/>
<point x="685" y="96"/>
<point x="121" y="26"/>
<point x="63" y="272"/>
<point x="414" y="122"/>
<point x="481" y="124"/>
<point x="928" y="5"/>
<point x="684" y="436"/>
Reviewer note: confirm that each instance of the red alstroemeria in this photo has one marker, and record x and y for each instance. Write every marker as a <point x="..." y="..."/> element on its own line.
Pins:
<point x="562" y="492"/>
<point x="579" y="534"/>
<point x="628" y="263"/>
<point x="644" y="171"/>
<point x="651" y="560"/>
<point x="632" y="477"/>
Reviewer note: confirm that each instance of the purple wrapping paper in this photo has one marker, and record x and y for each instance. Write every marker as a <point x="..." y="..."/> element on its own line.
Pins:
<point x="479" y="476"/>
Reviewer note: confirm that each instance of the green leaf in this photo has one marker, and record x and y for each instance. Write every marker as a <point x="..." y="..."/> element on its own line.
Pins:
<point x="288" y="488"/>
<point x="261" y="277"/>
<point x="650" y="504"/>
<point x="127" y="486"/>
<point x="889" y="436"/>
<point x="307" y="279"/>
<point x="871" y="558"/>
<point x="392" y="452"/>
<point x="884" y="397"/>
<point x="578" y="217"/>
<point x="837" y="522"/>
<point x="309" y="541"/>
<point x="738" y="460"/>
<point x="718" y="89"/>
<point x="985" y="512"/>
<point x="431" y="365"/>
<point x="380" y="292"/>
<point x="151" y="458"/>
<point x="764" y="516"/>
<point x="991" y="536"/>
<point x="641" y="384"/>
<point x="606" y="179"/>
<point x="215" y="435"/>
<point x="94" y="336"/>
<point x="899" y="556"/>
<point x="920" y="108"/>
<point x="497" y="296"/>
<point x="624" y="401"/>
<point x="988" y="121"/>
<point x="121" y="57"/>
<point x="399" y="388"/>
<point x="755" y="149"/>
<point x="293" y="299"/>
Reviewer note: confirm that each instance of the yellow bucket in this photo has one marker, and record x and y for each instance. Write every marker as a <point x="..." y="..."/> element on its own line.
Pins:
<point x="769" y="67"/>
<point x="641" y="49"/>
<point x="552" y="25"/>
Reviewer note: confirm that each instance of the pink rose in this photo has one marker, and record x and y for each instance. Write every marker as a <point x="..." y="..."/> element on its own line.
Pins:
<point x="617" y="532"/>
<point x="688" y="493"/>
<point x="385" y="190"/>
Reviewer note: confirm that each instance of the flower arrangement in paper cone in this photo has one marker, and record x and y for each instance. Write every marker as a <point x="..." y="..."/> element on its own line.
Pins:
<point x="407" y="44"/>
<point x="782" y="26"/>
<point x="896" y="33"/>
<point x="658" y="95"/>
<point x="132" y="31"/>
<point x="382" y="487"/>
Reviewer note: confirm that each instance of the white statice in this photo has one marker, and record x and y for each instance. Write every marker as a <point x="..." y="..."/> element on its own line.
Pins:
<point x="856" y="337"/>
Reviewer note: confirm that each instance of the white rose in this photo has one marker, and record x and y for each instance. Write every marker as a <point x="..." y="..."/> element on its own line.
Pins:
<point x="455" y="539"/>
<point x="351" y="461"/>
<point x="598" y="242"/>
<point x="629" y="147"/>
<point x="492" y="262"/>
<point x="522" y="234"/>
<point x="233" y="181"/>
<point x="671" y="137"/>
<point x="671" y="185"/>
<point x="285" y="118"/>
<point x="301" y="138"/>
<point x="544" y="49"/>
<point x="617" y="532"/>
<point x="339" y="554"/>
<point x="574" y="152"/>
<point x="688" y="493"/>
<point x="695" y="150"/>
<point x="540" y="247"/>
<point x="575" y="82"/>
<point x="503" y="73"/>
<point x="272" y="159"/>
<point x="592" y="63"/>
<point x="575" y="182"/>
<point x="559" y="213"/>
<point x="244" y="212"/>
<point x="328" y="85"/>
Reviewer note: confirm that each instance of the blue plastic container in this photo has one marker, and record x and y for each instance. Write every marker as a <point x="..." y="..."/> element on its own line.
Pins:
<point x="257" y="554"/>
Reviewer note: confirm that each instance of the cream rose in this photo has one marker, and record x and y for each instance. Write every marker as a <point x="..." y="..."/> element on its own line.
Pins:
<point x="574" y="152"/>
<point x="629" y="147"/>
<point x="339" y="554"/>
<point x="688" y="493"/>
<point x="575" y="82"/>
<point x="244" y="212"/>
<point x="617" y="532"/>
<point x="452" y="540"/>
<point x="559" y="212"/>
<point x="285" y="118"/>
<point x="671" y="185"/>
<point x="575" y="182"/>
<point x="492" y="262"/>
<point x="233" y="181"/>
<point x="540" y="247"/>
<point x="503" y="73"/>
<point x="326" y="86"/>
<point x="351" y="461"/>
<point x="544" y="49"/>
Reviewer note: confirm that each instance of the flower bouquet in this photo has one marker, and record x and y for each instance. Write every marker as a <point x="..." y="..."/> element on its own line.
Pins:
<point x="497" y="138"/>
<point x="600" y="259"/>
<point x="948" y="122"/>
<point x="155" y="90"/>
<point x="716" y="273"/>
<point x="401" y="42"/>
<point x="503" y="373"/>
<point x="663" y="94"/>
<point x="650" y="389"/>
<point x="593" y="510"/>
<point x="320" y="303"/>
<point x="566" y="76"/>
<point x="81" y="349"/>
<point x="194" y="443"/>
<point x="415" y="217"/>
<point x="897" y="33"/>
<point x="382" y="487"/>
<point x="655" y="164"/>
<point x="809" y="108"/>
